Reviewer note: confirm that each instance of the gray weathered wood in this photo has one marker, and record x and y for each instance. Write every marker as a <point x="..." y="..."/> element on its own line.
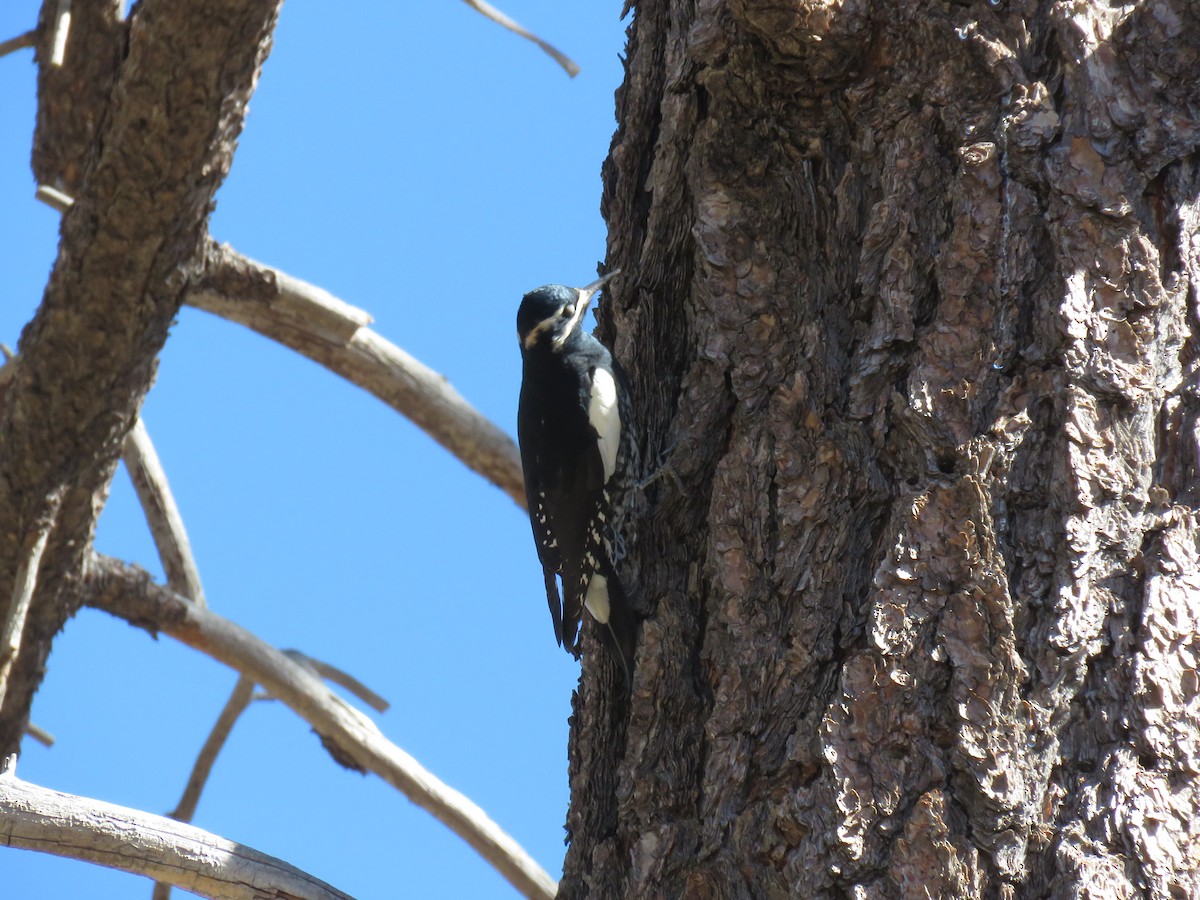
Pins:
<point x="130" y="593"/>
<point x="48" y="821"/>
<point x="162" y="513"/>
<point x="333" y="333"/>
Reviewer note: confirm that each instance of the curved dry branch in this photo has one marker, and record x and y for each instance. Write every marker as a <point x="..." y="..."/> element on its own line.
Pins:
<point x="41" y="735"/>
<point x="313" y="322"/>
<point x="341" y="678"/>
<point x="37" y="818"/>
<point x="129" y="593"/>
<point x="28" y="39"/>
<point x="486" y="9"/>
<point x="241" y="698"/>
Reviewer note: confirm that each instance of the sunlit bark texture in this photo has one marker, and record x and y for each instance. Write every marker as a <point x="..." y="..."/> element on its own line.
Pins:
<point x="909" y="298"/>
<point x="142" y="150"/>
<point x="138" y="119"/>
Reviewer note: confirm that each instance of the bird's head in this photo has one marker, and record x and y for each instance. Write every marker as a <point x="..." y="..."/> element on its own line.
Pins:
<point x="552" y="313"/>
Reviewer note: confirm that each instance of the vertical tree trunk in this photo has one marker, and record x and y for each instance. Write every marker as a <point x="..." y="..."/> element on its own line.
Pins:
<point x="909" y="295"/>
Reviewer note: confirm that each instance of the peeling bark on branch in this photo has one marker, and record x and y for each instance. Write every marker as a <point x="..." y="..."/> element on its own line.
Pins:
<point x="910" y="290"/>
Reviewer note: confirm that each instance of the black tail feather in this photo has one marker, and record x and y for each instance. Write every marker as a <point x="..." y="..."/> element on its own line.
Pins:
<point x="554" y="602"/>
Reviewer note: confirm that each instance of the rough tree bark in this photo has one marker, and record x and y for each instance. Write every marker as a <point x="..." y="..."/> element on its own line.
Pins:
<point x="910" y="295"/>
<point x="139" y="125"/>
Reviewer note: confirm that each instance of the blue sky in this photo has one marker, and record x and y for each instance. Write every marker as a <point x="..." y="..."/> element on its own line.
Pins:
<point x="429" y="167"/>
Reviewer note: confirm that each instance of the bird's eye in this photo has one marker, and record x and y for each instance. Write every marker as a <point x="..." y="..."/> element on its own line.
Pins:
<point x="568" y="311"/>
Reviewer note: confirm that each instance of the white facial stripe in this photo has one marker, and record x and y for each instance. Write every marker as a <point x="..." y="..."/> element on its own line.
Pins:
<point x="536" y="331"/>
<point x="597" y="599"/>
<point x="602" y="413"/>
<point x="581" y="305"/>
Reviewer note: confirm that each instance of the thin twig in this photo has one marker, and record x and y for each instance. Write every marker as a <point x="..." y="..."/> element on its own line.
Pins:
<point x="344" y="679"/>
<point x="41" y="735"/>
<point x="175" y="551"/>
<point x="241" y="698"/>
<point x="12" y="45"/>
<point x="130" y="593"/>
<point x="24" y="586"/>
<point x="284" y="309"/>
<point x="504" y="21"/>
<point x="162" y="514"/>
<point x="37" y="818"/>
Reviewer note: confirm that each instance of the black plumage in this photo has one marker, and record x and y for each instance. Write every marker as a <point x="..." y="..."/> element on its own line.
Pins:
<point x="580" y="457"/>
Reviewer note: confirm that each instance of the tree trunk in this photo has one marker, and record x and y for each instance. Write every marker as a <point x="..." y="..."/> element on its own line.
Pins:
<point x="909" y="295"/>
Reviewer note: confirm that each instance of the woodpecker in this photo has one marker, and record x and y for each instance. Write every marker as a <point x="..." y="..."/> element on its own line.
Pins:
<point x="580" y="457"/>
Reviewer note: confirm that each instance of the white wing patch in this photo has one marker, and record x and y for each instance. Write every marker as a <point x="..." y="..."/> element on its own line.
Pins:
<point x="597" y="599"/>
<point x="603" y="414"/>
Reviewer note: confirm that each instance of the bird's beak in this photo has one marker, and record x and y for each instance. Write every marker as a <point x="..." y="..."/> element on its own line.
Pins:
<point x="587" y="293"/>
<point x="585" y="297"/>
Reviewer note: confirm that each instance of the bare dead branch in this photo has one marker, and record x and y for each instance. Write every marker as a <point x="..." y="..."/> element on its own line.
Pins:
<point x="504" y="21"/>
<point x="344" y="679"/>
<point x="332" y="333"/>
<point x="37" y="818"/>
<point x="315" y="309"/>
<point x="241" y="698"/>
<point x="12" y="45"/>
<point x="41" y="735"/>
<point x="327" y="330"/>
<point x="53" y="197"/>
<point x="129" y="593"/>
<point x="162" y="514"/>
<point x="126" y="247"/>
<point x="24" y="586"/>
<point x="175" y="551"/>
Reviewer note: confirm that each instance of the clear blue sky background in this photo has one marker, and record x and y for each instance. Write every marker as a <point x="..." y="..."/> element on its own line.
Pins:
<point x="429" y="167"/>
